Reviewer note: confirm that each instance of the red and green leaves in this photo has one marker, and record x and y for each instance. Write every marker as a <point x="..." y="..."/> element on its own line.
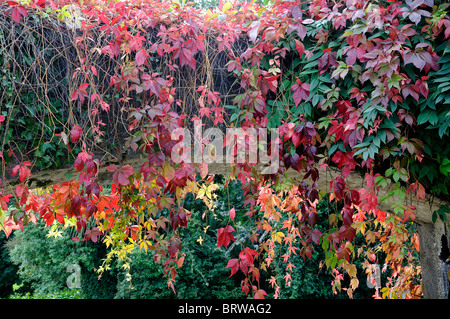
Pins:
<point x="376" y="60"/>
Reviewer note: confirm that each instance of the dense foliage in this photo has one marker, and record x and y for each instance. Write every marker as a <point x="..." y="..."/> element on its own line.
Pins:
<point x="355" y="86"/>
<point x="37" y="262"/>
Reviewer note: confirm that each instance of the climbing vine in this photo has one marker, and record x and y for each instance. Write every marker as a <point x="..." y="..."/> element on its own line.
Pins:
<point x="351" y="87"/>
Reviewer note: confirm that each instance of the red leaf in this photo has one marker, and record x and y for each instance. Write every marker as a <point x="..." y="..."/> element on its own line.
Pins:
<point x="224" y="236"/>
<point x="60" y="218"/>
<point x="94" y="70"/>
<point x="111" y="168"/>
<point x="326" y="60"/>
<point x="76" y="133"/>
<point x="4" y="200"/>
<point x="141" y="57"/>
<point x="203" y="167"/>
<point x="179" y="219"/>
<point x="260" y="293"/>
<point x="23" y="170"/>
<point x="187" y="58"/>
<point x="174" y="247"/>
<point x="22" y="193"/>
<point x="246" y="259"/>
<point x="339" y="186"/>
<point x="15" y="15"/>
<point x="300" y="91"/>
<point x="313" y="218"/>
<point x="127" y="170"/>
<point x="232" y="213"/>
<point x="80" y="93"/>
<point x="296" y="12"/>
<point x="253" y="32"/>
<point x="347" y="232"/>
<point x="299" y="47"/>
<point x="40" y="3"/>
<point x="121" y="176"/>
<point x="20" y="190"/>
<point x="104" y="19"/>
<point x="301" y="30"/>
<point x="315" y="236"/>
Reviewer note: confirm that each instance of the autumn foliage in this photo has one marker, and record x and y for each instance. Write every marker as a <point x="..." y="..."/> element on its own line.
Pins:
<point x="350" y="86"/>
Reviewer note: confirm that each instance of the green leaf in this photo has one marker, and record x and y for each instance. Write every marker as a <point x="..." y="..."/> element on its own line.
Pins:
<point x="434" y="217"/>
<point x="428" y="116"/>
<point x="444" y="168"/>
<point x="332" y="149"/>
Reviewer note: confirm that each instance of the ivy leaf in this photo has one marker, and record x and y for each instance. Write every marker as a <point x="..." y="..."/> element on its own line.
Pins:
<point x="232" y="213"/>
<point x="23" y="170"/>
<point x="299" y="47"/>
<point x="174" y="247"/>
<point x="260" y="293"/>
<point x="224" y="236"/>
<point x="187" y="58"/>
<point x="234" y="265"/>
<point x="121" y="175"/>
<point x="168" y="171"/>
<point x="300" y="91"/>
<point x="124" y="173"/>
<point x="80" y="93"/>
<point x="18" y="11"/>
<point x="141" y="57"/>
<point x="296" y="12"/>
<point x="326" y="60"/>
<point x="253" y="32"/>
<point x="76" y="133"/>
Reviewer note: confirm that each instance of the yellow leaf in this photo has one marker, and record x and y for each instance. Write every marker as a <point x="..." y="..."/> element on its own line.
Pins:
<point x="277" y="236"/>
<point x="180" y="193"/>
<point x="347" y="33"/>
<point x="201" y="193"/>
<point x="168" y="171"/>
<point x="260" y="11"/>
<point x="212" y="16"/>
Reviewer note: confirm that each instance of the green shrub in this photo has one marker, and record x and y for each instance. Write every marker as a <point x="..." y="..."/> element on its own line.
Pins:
<point x="8" y="271"/>
<point x="43" y="262"/>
